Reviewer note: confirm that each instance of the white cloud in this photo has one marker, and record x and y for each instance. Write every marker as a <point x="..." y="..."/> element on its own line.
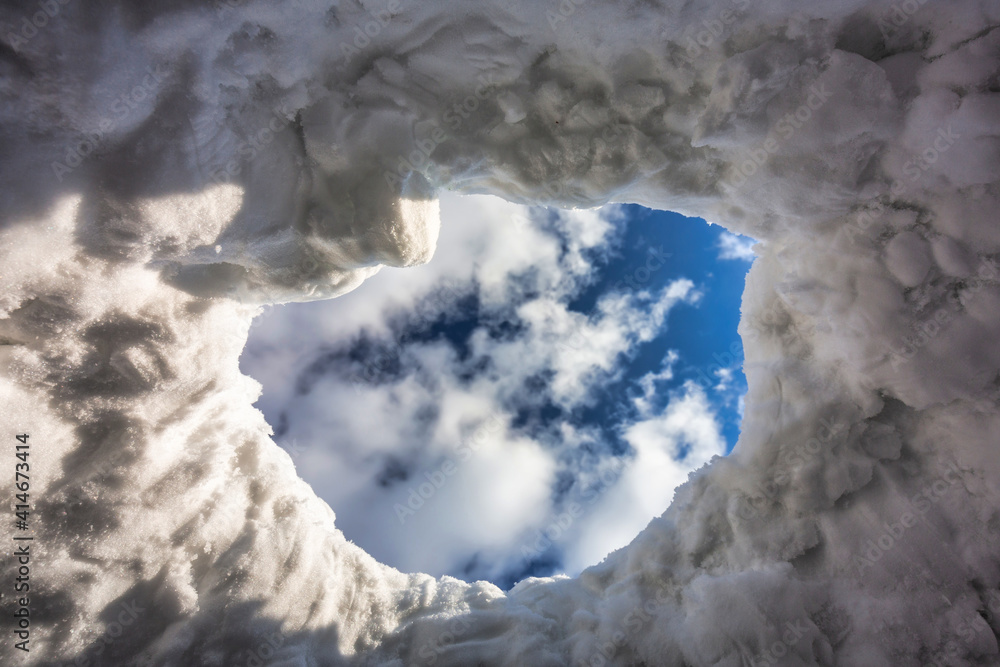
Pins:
<point x="682" y="437"/>
<point x="580" y="349"/>
<point x="733" y="246"/>
<point x="370" y="447"/>
<point x="648" y="381"/>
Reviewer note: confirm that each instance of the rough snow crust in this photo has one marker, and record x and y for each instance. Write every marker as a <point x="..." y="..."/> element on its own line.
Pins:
<point x="168" y="166"/>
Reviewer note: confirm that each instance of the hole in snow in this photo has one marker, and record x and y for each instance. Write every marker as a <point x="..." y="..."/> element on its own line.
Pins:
<point x="527" y="401"/>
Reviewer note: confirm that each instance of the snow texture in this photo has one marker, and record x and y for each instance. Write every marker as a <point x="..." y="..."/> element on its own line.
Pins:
<point x="168" y="167"/>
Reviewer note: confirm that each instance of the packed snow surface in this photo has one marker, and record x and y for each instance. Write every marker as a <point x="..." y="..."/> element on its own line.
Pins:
<point x="169" y="167"/>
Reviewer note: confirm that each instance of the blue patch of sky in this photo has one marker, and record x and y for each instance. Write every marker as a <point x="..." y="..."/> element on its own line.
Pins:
<point x="704" y="334"/>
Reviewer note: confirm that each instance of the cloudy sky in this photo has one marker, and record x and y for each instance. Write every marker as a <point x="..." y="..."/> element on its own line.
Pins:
<point x="527" y="401"/>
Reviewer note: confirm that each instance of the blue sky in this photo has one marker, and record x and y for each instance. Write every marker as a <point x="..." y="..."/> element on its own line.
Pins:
<point x="527" y="401"/>
<point x="703" y="334"/>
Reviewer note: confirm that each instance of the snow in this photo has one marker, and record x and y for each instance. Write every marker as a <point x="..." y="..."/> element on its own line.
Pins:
<point x="169" y="170"/>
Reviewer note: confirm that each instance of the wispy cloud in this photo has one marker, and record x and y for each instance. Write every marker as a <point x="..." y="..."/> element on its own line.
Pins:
<point x="733" y="246"/>
<point x="667" y="445"/>
<point x="438" y="411"/>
